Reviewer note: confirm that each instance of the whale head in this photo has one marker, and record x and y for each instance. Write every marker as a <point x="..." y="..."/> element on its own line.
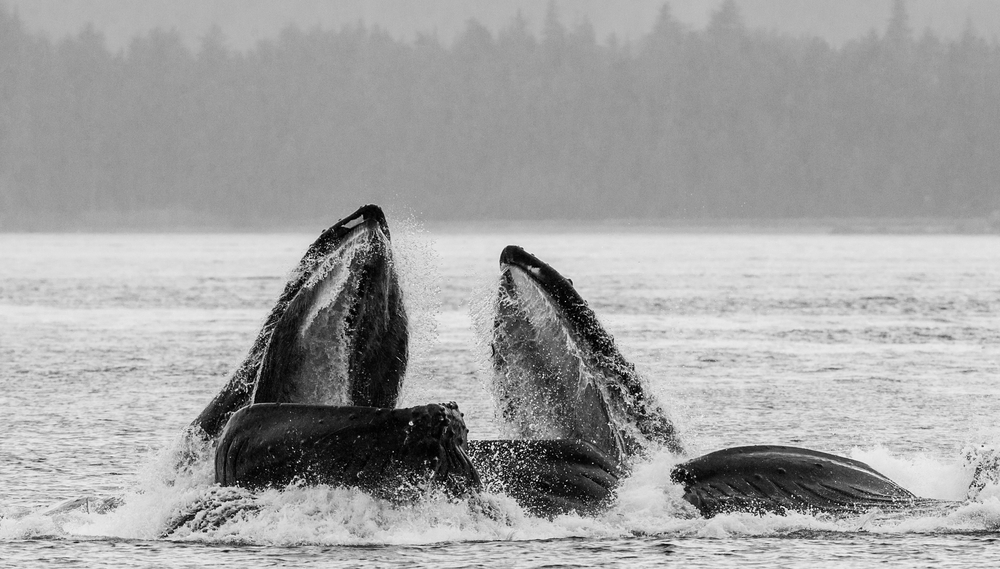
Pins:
<point x="337" y="334"/>
<point x="558" y="373"/>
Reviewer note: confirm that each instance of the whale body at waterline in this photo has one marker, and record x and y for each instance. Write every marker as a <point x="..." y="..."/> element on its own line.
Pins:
<point x="778" y="479"/>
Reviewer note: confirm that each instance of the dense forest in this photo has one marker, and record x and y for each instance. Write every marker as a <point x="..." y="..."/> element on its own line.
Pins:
<point x="726" y="122"/>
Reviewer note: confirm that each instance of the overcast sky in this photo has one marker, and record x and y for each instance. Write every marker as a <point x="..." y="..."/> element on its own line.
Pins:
<point x="246" y="21"/>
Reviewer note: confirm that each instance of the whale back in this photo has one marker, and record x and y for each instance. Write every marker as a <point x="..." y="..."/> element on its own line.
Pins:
<point x="558" y="373"/>
<point x="337" y="335"/>
<point x="779" y="479"/>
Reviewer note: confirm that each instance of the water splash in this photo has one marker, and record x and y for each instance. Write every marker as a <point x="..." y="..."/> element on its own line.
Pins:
<point x="416" y="261"/>
<point x="648" y="504"/>
<point x="925" y="476"/>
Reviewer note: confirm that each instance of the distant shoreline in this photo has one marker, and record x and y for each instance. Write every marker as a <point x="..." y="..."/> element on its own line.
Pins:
<point x="845" y="226"/>
<point x="188" y="222"/>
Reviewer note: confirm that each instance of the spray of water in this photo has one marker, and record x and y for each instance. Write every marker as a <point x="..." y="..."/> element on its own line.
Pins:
<point x="162" y="497"/>
<point x="416" y="263"/>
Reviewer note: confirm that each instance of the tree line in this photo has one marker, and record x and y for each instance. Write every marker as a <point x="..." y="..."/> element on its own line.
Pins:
<point x="725" y="122"/>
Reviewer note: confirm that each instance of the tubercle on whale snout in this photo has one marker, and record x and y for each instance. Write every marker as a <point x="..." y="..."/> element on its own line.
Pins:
<point x="370" y="212"/>
<point x="440" y="430"/>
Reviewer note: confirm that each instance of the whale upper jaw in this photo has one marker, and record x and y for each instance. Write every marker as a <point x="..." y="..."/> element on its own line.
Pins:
<point x="559" y="374"/>
<point x="337" y="334"/>
<point x="341" y="339"/>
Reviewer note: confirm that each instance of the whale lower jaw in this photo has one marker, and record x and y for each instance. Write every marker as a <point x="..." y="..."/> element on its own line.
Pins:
<point x="394" y="454"/>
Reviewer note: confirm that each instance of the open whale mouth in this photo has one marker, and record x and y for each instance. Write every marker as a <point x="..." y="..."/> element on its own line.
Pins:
<point x="549" y="382"/>
<point x="314" y="399"/>
<point x="558" y="373"/>
<point x="341" y="337"/>
<point x="337" y="334"/>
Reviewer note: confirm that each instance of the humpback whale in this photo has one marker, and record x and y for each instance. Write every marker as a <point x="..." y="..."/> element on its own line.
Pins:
<point x="313" y="401"/>
<point x="559" y="375"/>
<point x="778" y="479"/>
<point x="577" y="411"/>
<point x="337" y="333"/>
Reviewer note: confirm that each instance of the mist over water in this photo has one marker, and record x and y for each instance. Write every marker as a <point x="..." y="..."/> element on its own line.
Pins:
<point x="883" y="348"/>
<point x="542" y="120"/>
<point x="243" y="26"/>
<point x="880" y="348"/>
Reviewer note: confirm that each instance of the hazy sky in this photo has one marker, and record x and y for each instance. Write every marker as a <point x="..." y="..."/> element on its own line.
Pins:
<point x="246" y="21"/>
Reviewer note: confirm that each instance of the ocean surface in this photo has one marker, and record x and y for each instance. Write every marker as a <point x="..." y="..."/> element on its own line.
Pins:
<point x="884" y="348"/>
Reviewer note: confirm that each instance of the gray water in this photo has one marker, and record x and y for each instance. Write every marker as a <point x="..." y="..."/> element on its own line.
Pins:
<point x="882" y="348"/>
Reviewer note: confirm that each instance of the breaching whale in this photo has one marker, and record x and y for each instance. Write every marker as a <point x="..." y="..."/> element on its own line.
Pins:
<point x="551" y="352"/>
<point x="577" y="411"/>
<point x="558" y="372"/>
<point x="313" y="401"/>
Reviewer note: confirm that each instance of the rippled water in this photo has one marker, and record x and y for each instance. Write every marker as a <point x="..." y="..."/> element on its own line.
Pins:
<point x="883" y="348"/>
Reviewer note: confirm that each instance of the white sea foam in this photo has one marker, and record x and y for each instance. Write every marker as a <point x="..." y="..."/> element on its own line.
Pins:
<point x="647" y="504"/>
<point x="926" y="476"/>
